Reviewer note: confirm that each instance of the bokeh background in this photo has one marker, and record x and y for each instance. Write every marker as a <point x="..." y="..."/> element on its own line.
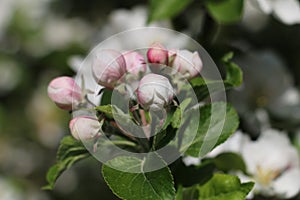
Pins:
<point x="42" y="39"/>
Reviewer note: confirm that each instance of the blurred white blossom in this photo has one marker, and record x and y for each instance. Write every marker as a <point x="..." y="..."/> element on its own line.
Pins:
<point x="287" y="106"/>
<point x="32" y="9"/>
<point x="233" y="144"/>
<point x="50" y="31"/>
<point x="8" y="191"/>
<point x="43" y="113"/>
<point x="273" y="164"/>
<point x="290" y="97"/>
<point x="58" y="32"/>
<point x="122" y="20"/>
<point x="287" y="11"/>
<point x="263" y="118"/>
<point x="136" y="18"/>
<point x="5" y="14"/>
<point x="253" y="18"/>
<point x="19" y="160"/>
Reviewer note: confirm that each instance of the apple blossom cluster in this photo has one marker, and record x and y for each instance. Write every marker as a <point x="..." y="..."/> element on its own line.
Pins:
<point x="147" y="77"/>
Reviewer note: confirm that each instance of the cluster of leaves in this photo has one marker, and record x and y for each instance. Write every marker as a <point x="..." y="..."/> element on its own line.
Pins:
<point x="223" y="11"/>
<point x="177" y="180"/>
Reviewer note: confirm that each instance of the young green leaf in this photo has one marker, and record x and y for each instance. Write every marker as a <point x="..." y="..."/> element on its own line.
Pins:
<point x="203" y="87"/>
<point x="70" y="151"/>
<point x="173" y="122"/>
<point x="224" y="187"/>
<point x="106" y="97"/>
<point x="170" y="117"/>
<point x="225" y="11"/>
<point x="190" y="193"/>
<point x="229" y="161"/>
<point x="106" y="110"/>
<point x="218" y="121"/>
<point x="165" y="9"/>
<point x="219" y="187"/>
<point x="234" y="74"/>
<point x="139" y="185"/>
<point x="179" y="193"/>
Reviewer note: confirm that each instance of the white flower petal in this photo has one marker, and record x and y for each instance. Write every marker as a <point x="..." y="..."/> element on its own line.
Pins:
<point x="288" y="184"/>
<point x="254" y="18"/>
<point x="233" y="144"/>
<point x="291" y="97"/>
<point x="272" y="151"/>
<point x="288" y="11"/>
<point x="191" y="161"/>
<point x="264" y="5"/>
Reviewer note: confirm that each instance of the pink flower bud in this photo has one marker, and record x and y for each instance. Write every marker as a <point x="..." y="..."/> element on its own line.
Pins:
<point x="85" y="127"/>
<point x="154" y="91"/>
<point x="64" y="92"/>
<point x="108" y="67"/>
<point x="135" y="62"/>
<point x="187" y="63"/>
<point x="157" y="54"/>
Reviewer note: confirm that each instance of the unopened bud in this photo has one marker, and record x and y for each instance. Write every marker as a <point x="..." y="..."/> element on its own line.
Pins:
<point x="157" y="54"/>
<point x="135" y="62"/>
<point x="154" y="91"/>
<point x="85" y="127"/>
<point x="108" y="68"/>
<point x="64" y="92"/>
<point x="187" y="63"/>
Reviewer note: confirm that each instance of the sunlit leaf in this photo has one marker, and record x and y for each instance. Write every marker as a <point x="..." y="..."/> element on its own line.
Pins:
<point x="140" y="185"/>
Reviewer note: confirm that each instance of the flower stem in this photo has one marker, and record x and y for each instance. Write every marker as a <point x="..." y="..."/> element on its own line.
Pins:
<point x="122" y="142"/>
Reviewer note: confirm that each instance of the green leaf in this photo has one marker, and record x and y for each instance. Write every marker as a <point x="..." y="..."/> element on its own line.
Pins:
<point x="228" y="56"/>
<point x="106" y="110"/>
<point x="219" y="187"/>
<point x="165" y="9"/>
<point x="234" y="74"/>
<point x="218" y="121"/>
<point x="51" y="177"/>
<point x="176" y="120"/>
<point x="170" y="117"/>
<point x="234" y="78"/>
<point x="224" y="187"/>
<point x="229" y="161"/>
<point x="70" y="151"/>
<point x="106" y="97"/>
<point x="179" y="193"/>
<point x="69" y="147"/>
<point x="163" y="138"/>
<point x="140" y="185"/>
<point x="174" y="115"/>
<point x="203" y="87"/>
<point x="225" y="11"/>
<point x="190" y="193"/>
